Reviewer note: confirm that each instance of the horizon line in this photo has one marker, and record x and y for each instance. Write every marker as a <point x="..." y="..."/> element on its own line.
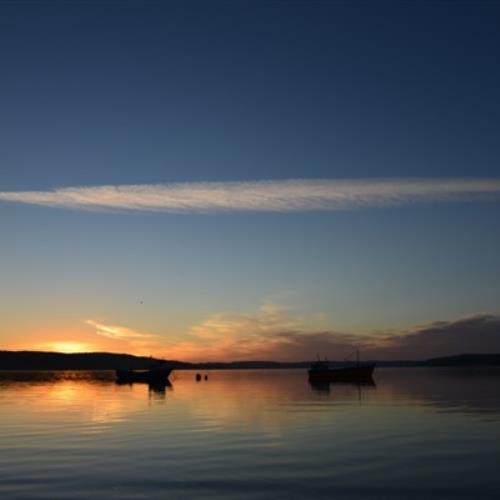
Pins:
<point x="108" y="353"/>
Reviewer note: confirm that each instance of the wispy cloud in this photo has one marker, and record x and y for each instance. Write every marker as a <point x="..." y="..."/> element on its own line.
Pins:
<point x="278" y="334"/>
<point x="477" y="333"/>
<point x="261" y="196"/>
<point x="274" y="332"/>
<point x="117" y="332"/>
<point x="124" y="339"/>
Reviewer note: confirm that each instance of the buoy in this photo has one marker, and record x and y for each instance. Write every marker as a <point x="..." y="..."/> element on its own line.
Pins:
<point x="206" y="377"/>
<point x="198" y="377"/>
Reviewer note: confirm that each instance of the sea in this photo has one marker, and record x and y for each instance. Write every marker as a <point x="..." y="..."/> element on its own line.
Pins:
<point x="426" y="433"/>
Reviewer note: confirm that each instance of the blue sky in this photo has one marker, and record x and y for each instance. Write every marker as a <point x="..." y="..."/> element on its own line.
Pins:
<point x="118" y="93"/>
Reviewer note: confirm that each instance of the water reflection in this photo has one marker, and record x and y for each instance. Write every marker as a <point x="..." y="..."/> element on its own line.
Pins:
<point x="227" y="393"/>
<point x="462" y="390"/>
<point x="250" y="434"/>
<point x="324" y="387"/>
<point x="157" y="390"/>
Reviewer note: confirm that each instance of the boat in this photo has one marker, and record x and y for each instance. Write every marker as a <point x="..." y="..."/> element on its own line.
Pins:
<point x="324" y="371"/>
<point x="154" y="376"/>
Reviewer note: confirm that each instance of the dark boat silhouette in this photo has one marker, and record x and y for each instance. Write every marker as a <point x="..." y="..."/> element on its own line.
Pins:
<point x="324" y="371"/>
<point x="154" y="376"/>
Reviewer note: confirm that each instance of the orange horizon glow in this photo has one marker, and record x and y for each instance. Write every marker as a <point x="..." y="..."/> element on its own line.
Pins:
<point x="69" y="347"/>
<point x="271" y="332"/>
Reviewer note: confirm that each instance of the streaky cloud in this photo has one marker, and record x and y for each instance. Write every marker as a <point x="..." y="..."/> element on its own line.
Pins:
<point x="282" y="336"/>
<point x="274" y="332"/>
<point x="475" y="334"/>
<point x="292" y="195"/>
<point x="117" y="332"/>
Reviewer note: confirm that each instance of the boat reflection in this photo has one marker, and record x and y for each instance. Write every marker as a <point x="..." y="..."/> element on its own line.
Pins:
<point x="156" y="390"/>
<point x="324" y="386"/>
<point x="159" y="391"/>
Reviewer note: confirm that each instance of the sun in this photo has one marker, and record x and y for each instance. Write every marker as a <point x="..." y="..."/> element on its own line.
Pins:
<point x="68" y="347"/>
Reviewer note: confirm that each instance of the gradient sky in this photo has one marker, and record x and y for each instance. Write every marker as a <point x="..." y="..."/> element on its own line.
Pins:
<point x="120" y="93"/>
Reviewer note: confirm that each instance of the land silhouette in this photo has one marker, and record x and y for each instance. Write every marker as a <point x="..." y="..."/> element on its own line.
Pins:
<point x="43" y="360"/>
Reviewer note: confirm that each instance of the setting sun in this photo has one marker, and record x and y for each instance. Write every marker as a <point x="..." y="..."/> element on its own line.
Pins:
<point x="68" y="347"/>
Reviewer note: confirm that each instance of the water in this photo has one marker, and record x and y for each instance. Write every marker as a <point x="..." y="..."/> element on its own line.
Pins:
<point x="263" y="434"/>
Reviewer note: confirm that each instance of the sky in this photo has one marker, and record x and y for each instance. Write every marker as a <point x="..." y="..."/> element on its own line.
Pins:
<point x="250" y="180"/>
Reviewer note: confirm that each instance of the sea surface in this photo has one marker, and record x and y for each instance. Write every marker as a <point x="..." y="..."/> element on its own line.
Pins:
<point x="254" y="434"/>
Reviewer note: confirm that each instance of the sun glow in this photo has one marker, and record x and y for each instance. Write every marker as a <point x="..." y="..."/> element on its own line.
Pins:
<point x="69" y="347"/>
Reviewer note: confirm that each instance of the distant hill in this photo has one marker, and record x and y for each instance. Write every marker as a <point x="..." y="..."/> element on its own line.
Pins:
<point x="466" y="360"/>
<point x="40" y="360"/>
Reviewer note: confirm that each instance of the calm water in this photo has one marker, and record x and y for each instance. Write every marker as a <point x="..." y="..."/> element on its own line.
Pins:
<point x="426" y="433"/>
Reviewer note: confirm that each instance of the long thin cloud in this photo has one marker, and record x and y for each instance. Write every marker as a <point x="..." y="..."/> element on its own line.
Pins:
<point x="294" y="195"/>
<point x="117" y="332"/>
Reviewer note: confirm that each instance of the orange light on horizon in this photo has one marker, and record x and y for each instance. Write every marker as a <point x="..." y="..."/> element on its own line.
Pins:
<point x="69" y="347"/>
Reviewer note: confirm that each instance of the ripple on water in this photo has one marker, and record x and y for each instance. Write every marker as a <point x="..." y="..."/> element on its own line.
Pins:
<point x="250" y="435"/>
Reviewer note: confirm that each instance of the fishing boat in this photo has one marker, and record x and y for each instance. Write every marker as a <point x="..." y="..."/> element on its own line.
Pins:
<point x="157" y="375"/>
<point x="356" y="371"/>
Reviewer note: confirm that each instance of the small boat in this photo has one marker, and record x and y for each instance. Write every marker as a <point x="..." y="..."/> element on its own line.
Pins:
<point x="324" y="371"/>
<point x="158" y="375"/>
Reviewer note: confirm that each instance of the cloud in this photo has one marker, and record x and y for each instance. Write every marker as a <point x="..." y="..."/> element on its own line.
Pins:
<point x="293" y="195"/>
<point x="117" y="332"/>
<point x="274" y="332"/>
<point x="478" y="333"/>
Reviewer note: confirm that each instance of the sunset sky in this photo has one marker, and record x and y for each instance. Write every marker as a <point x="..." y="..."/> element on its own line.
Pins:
<point x="250" y="180"/>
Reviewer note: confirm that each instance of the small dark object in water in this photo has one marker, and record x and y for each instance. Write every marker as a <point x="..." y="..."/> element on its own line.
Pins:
<point x="206" y="377"/>
<point x="198" y="377"/>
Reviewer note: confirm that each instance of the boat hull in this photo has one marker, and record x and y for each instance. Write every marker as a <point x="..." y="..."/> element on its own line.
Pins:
<point x="361" y="373"/>
<point x="146" y="376"/>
